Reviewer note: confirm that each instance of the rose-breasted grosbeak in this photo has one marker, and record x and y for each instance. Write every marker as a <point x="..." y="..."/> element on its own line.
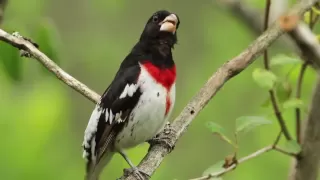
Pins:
<point x="137" y="104"/>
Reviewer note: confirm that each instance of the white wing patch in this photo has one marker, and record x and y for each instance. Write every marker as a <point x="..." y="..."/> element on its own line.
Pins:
<point x="110" y="116"/>
<point x="118" y="115"/>
<point x="106" y="115"/>
<point x="89" y="136"/>
<point x="91" y="129"/>
<point x="93" y="148"/>
<point x="129" y="90"/>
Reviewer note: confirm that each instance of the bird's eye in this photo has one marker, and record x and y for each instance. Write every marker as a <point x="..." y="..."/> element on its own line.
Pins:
<point x="155" y="18"/>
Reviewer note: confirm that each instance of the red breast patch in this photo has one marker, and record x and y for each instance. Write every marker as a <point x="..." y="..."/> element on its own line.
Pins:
<point x="165" y="77"/>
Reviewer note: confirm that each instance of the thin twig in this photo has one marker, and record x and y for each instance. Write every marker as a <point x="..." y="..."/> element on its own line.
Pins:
<point x="253" y="155"/>
<point x="298" y="96"/>
<point x="304" y="40"/>
<point x="285" y="152"/>
<point x="231" y="68"/>
<point x="313" y="20"/>
<point x="307" y="166"/>
<point x="157" y="152"/>
<point x="278" y="114"/>
<point x="50" y="65"/>
<point x="265" y="27"/>
<point x="271" y="91"/>
<point x="242" y="160"/>
<point x="277" y="139"/>
<point x="311" y="24"/>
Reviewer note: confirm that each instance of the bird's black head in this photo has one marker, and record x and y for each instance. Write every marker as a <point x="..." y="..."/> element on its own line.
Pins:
<point x="161" y="28"/>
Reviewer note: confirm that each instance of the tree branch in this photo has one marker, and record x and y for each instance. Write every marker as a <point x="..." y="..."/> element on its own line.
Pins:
<point x="253" y="155"/>
<point x="232" y="167"/>
<point x="305" y="41"/>
<point x="298" y="96"/>
<point x="307" y="166"/>
<point x="23" y="44"/>
<point x="228" y="70"/>
<point x="272" y="94"/>
<point x="308" y="163"/>
<point x="242" y="160"/>
<point x="308" y="44"/>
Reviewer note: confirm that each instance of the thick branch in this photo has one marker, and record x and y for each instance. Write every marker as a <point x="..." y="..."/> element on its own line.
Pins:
<point x="50" y="65"/>
<point x="231" y="68"/>
<point x="302" y="36"/>
<point x="308" y="44"/>
<point x="307" y="166"/>
<point x="228" y="70"/>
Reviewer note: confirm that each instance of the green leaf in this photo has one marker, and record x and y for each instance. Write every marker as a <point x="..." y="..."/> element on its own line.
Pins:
<point x="248" y="123"/>
<point x="216" y="168"/>
<point x="293" y="103"/>
<point x="315" y="10"/>
<point x="292" y="146"/>
<point x="283" y="59"/>
<point x="264" y="78"/>
<point x="11" y="60"/>
<point x="283" y="91"/>
<point x="306" y="17"/>
<point x="266" y="103"/>
<point x="217" y="129"/>
<point x="47" y="37"/>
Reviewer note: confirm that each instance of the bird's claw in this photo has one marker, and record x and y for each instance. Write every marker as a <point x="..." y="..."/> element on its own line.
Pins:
<point x="137" y="173"/>
<point x="165" y="137"/>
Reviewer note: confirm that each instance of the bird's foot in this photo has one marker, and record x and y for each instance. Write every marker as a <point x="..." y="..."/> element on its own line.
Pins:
<point x="139" y="174"/>
<point x="165" y="137"/>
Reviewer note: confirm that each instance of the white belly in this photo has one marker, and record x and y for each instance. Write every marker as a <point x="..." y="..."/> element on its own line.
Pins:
<point x="149" y="116"/>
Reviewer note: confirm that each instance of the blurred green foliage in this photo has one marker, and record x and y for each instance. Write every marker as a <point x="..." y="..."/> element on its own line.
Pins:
<point x="42" y="120"/>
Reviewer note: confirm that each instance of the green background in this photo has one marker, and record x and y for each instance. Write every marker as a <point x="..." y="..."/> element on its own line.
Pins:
<point x="42" y="120"/>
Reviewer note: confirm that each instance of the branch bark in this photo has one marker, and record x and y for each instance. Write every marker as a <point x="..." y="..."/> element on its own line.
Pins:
<point x="228" y="70"/>
<point x="23" y="44"/>
<point x="303" y="38"/>
<point x="307" y="43"/>
<point x="307" y="166"/>
<point x="232" y="167"/>
<point x="231" y="68"/>
<point x="272" y="93"/>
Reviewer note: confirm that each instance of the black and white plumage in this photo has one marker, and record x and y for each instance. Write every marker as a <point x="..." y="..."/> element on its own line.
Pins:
<point x="137" y="104"/>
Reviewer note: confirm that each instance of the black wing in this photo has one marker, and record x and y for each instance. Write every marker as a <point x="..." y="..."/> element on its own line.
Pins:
<point x="111" y="113"/>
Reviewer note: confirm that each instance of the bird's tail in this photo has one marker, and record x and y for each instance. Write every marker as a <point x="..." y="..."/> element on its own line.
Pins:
<point x="93" y="170"/>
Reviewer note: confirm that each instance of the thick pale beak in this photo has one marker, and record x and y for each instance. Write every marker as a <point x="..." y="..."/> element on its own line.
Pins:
<point x="169" y="24"/>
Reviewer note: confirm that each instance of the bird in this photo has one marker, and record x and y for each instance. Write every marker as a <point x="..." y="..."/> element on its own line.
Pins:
<point x="140" y="99"/>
